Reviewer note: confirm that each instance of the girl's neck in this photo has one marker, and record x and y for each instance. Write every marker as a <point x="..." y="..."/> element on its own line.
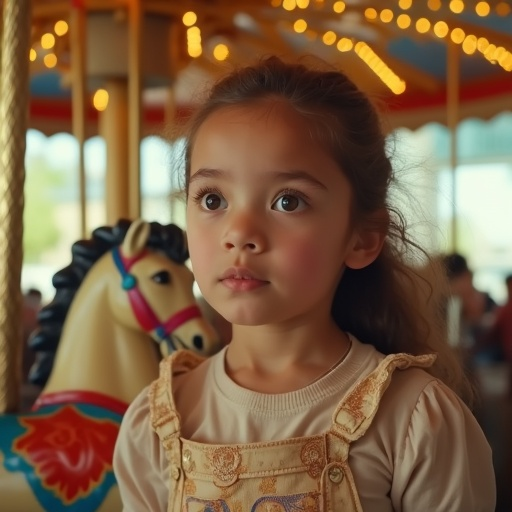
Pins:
<point x="271" y="360"/>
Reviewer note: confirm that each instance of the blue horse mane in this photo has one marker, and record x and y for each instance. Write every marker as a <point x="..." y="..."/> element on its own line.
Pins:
<point x="168" y="238"/>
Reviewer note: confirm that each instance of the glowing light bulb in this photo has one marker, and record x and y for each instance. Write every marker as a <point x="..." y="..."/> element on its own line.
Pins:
<point x="61" y="28"/>
<point x="403" y="21"/>
<point x="482" y="9"/>
<point x="47" y="41"/>
<point x="100" y="100"/>
<point x="189" y="18"/>
<point x="456" y="6"/>
<point x="221" y="52"/>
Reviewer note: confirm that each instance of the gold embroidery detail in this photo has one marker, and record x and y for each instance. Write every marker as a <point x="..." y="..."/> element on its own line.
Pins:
<point x="190" y="487"/>
<point x="226" y="493"/>
<point x="312" y="456"/>
<point x="268" y="485"/>
<point x="226" y="464"/>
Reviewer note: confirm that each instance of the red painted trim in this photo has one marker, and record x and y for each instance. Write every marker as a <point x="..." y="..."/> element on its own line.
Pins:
<point x="82" y="397"/>
<point x="60" y="110"/>
<point x="469" y="92"/>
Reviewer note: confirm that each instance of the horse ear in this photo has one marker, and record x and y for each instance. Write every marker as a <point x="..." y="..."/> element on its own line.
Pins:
<point x="136" y="238"/>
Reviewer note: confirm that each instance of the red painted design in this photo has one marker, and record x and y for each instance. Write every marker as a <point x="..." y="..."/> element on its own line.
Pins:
<point x="69" y="451"/>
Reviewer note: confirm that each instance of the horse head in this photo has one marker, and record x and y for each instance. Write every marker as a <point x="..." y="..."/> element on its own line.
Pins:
<point x="141" y="297"/>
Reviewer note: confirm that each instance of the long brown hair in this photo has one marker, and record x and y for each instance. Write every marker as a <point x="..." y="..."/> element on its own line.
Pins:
<point x="391" y="303"/>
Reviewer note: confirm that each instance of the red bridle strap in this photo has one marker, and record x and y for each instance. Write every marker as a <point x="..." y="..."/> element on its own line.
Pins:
<point x="141" y="309"/>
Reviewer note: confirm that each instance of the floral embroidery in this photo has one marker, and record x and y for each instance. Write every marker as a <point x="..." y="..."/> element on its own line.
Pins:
<point x="312" y="456"/>
<point x="226" y="464"/>
<point x="268" y="485"/>
<point x="190" y="487"/>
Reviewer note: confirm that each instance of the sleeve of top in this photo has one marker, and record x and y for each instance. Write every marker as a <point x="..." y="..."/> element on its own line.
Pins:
<point x="139" y="462"/>
<point x="445" y="462"/>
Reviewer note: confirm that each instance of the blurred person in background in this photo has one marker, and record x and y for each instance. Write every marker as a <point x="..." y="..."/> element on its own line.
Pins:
<point x="32" y="302"/>
<point x="477" y="310"/>
<point x="500" y="333"/>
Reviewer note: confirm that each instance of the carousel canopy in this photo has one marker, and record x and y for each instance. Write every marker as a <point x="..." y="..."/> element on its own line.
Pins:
<point x="419" y="58"/>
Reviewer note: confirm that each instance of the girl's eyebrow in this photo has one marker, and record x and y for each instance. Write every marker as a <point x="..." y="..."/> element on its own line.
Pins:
<point x="294" y="174"/>
<point x="298" y="175"/>
<point x="206" y="172"/>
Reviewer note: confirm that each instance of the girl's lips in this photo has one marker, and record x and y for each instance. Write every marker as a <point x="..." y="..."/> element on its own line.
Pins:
<point x="241" y="280"/>
<point x="242" y="284"/>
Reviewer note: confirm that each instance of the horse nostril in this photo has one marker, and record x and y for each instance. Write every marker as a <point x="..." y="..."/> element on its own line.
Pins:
<point x="197" y="341"/>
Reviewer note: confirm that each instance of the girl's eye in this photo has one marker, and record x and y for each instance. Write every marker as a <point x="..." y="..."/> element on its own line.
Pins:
<point x="288" y="203"/>
<point x="212" y="201"/>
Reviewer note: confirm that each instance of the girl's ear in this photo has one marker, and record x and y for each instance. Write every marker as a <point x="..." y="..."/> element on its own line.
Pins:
<point x="367" y="242"/>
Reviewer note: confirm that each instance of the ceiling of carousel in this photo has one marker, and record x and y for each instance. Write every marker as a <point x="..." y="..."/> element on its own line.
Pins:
<point x="406" y="53"/>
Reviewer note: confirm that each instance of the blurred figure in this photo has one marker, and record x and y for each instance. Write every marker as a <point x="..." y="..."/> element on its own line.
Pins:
<point x="32" y="302"/>
<point x="477" y="308"/>
<point x="500" y="333"/>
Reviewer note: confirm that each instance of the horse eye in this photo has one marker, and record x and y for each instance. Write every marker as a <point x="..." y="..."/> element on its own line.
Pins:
<point x="162" y="277"/>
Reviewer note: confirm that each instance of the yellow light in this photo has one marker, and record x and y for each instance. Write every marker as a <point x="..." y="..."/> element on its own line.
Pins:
<point x="195" y="51"/>
<point x="405" y="4"/>
<point x="50" y="60"/>
<point x="457" y="35"/>
<point x="329" y="37"/>
<point x="469" y="44"/>
<point x="379" y="67"/>
<point x="32" y="55"/>
<point x="434" y="5"/>
<point x="100" y="100"/>
<point x="506" y="63"/>
<point x="386" y="15"/>
<point x="339" y="7"/>
<point x="456" y="6"/>
<point x="189" y="18"/>
<point x="504" y="58"/>
<point x="193" y="34"/>
<point x="423" y="25"/>
<point x="289" y="5"/>
<point x="302" y="4"/>
<point x="482" y="44"/>
<point x="61" y="28"/>
<point x="300" y="26"/>
<point x="370" y="13"/>
<point x="345" y="44"/>
<point x="489" y="52"/>
<point x="482" y="9"/>
<point x="499" y="53"/>
<point x="221" y="52"/>
<point x="503" y="9"/>
<point x="47" y="41"/>
<point x="403" y="21"/>
<point x="441" y="29"/>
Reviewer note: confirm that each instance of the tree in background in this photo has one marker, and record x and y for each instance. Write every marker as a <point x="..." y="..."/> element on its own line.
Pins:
<point x="40" y="230"/>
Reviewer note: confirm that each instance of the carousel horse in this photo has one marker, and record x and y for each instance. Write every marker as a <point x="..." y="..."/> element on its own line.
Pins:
<point x="125" y="287"/>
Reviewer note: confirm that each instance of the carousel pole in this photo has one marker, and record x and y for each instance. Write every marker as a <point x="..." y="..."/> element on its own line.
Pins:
<point x="78" y="94"/>
<point x="453" y="100"/>
<point x="14" y="93"/>
<point x="134" y="106"/>
<point x="114" y="128"/>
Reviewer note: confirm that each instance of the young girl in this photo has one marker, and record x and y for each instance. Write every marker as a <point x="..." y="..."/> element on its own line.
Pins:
<point x="328" y="397"/>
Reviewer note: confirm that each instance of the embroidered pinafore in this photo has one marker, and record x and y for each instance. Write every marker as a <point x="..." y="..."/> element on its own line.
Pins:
<point x="303" y="474"/>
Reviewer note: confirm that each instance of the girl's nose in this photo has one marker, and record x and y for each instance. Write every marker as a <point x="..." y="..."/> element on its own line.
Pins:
<point x="243" y="233"/>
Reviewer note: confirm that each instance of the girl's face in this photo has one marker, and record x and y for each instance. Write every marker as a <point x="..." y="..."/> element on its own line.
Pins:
<point x="268" y="217"/>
